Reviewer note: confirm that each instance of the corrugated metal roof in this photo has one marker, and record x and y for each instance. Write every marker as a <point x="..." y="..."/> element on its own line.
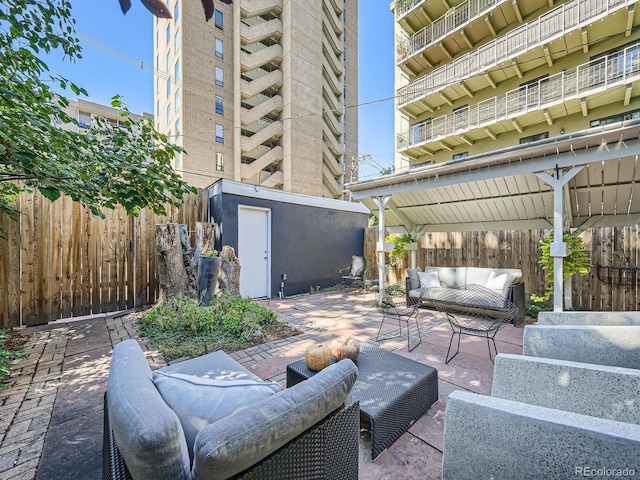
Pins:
<point x="501" y="190"/>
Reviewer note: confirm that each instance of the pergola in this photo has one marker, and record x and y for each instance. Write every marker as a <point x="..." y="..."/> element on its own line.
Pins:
<point x="579" y="180"/>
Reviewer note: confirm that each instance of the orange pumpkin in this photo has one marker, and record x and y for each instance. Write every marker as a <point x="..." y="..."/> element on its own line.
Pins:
<point x="345" y="347"/>
<point x="317" y="357"/>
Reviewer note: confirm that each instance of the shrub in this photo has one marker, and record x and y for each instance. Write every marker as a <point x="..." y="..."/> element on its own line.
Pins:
<point x="7" y="357"/>
<point x="180" y="327"/>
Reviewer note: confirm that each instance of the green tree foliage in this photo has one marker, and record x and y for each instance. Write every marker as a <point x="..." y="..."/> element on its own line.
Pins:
<point x="577" y="262"/>
<point x="128" y="163"/>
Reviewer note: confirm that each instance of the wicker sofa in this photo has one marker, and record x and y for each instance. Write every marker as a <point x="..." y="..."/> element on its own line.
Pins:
<point x="164" y="424"/>
<point x="424" y="286"/>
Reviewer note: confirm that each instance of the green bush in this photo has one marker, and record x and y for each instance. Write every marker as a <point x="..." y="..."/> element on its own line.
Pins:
<point x="7" y="357"/>
<point x="181" y="327"/>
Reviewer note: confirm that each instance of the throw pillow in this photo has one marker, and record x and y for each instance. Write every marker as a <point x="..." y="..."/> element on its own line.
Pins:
<point x="496" y="282"/>
<point x="414" y="280"/>
<point x="199" y="402"/>
<point x="429" y="279"/>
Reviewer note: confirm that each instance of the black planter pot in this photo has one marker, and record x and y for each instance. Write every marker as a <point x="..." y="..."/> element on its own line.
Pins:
<point x="208" y="271"/>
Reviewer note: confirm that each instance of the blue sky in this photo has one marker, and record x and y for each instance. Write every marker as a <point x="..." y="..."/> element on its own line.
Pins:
<point x="129" y="39"/>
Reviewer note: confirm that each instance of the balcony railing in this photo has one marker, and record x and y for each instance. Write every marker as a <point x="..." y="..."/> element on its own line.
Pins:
<point x="615" y="69"/>
<point x="404" y="6"/>
<point x="569" y="16"/>
<point x="445" y="25"/>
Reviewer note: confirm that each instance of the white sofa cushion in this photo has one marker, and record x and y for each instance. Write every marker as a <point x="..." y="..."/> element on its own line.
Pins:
<point x="496" y="282"/>
<point x="429" y="279"/>
<point x="199" y="402"/>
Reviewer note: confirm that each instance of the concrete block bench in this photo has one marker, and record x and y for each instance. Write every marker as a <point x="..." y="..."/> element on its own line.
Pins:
<point x="589" y="318"/>
<point x="603" y="345"/>
<point x="546" y="418"/>
<point x="488" y="437"/>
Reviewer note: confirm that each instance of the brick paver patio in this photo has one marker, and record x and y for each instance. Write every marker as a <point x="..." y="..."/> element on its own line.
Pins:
<point x="51" y="409"/>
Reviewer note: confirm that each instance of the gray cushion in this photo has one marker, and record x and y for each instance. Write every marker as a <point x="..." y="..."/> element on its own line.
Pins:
<point x="147" y="431"/>
<point x="199" y="402"/>
<point x="236" y="442"/>
<point x="412" y="273"/>
<point x="217" y="365"/>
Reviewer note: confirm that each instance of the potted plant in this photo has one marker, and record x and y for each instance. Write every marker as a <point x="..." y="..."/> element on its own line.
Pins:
<point x="208" y="271"/>
<point x="401" y="245"/>
<point x="577" y="262"/>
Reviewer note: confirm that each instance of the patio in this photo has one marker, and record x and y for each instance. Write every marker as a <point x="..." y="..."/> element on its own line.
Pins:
<point x="51" y="410"/>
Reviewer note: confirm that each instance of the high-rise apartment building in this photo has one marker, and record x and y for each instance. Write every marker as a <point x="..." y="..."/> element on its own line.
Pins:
<point x="258" y="93"/>
<point x="478" y="76"/>
<point x="86" y="111"/>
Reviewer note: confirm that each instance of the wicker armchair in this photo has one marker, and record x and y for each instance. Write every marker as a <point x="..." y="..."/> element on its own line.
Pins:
<point x="326" y="451"/>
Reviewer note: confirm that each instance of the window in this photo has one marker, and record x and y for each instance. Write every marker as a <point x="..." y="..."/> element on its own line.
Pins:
<point x="179" y="162"/>
<point x="168" y="87"/>
<point x="219" y="77"/>
<point x="177" y="101"/>
<point x="84" y="120"/>
<point x="158" y="84"/>
<point x="168" y="33"/>
<point x="219" y="133"/>
<point x="220" y="162"/>
<point x="219" y="19"/>
<point x="168" y="114"/>
<point x="176" y="72"/>
<point x="461" y="117"/>
<point x="178" y="126"/>
<point x="633" y="115"/>
<point x="176" y="41"/>
<point x="168" y="62"/>
<point x="176" y="11"/>
<point x="219" y="105"/>
<point x="157" y="38"/>
<point x="534" y="138"/>
<point x="219" y="48"/>
<point x="458" y="156"/>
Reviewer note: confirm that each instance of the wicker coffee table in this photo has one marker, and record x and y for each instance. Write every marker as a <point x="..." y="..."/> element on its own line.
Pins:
<point x="393" y="392"/>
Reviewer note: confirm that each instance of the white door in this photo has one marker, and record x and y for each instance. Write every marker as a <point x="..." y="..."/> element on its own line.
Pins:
<point x="254" y="251"/>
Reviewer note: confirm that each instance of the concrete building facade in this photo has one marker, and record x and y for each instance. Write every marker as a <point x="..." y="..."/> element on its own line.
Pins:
<point x="258" y="94"/>
<point x="479" y="76"/>
<point x="86" y="111"/>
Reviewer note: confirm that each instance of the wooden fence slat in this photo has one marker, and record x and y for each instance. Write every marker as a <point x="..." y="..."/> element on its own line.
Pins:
<point x="55" y="263"/>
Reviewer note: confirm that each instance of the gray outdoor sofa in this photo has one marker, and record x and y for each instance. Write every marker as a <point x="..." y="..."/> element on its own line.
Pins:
<point x="185" y="422"/>
<point x="423" y="287"/>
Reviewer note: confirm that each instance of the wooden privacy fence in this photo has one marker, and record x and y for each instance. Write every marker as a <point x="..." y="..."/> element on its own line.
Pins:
<point x="58" y="260"/>
<point x="615" y="248"/>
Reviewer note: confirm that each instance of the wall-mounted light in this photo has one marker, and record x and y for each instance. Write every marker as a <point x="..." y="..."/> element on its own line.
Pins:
<point x="562" y="131"/>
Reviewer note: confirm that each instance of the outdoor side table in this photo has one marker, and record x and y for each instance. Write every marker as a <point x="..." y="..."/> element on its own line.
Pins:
<point x="393" y="392"/>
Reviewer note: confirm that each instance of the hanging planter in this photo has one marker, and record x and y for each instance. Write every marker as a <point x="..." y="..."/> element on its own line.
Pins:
<point x="401" y="245"/>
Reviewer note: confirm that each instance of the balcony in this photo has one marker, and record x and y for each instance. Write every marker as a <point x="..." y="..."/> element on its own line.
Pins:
<point x="556" y="23"/>
<point x="249" y="61"/>
<point x="455" y="19"/>
<point x="251" y="8"/>
<point x="600" y="76"/>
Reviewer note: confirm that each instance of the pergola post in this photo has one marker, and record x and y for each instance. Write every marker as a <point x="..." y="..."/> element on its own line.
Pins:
<point x="381" y="202"/>
<point x="558" y="247"/>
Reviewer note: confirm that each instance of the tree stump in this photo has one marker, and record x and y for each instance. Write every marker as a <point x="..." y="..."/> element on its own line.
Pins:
<point x="171" y="271"/>
<point x="205" y="232"/>
<point x="229" y="278"/>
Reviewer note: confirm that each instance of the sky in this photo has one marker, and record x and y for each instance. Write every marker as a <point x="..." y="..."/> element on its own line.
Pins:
<point x="118" y="59"/>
